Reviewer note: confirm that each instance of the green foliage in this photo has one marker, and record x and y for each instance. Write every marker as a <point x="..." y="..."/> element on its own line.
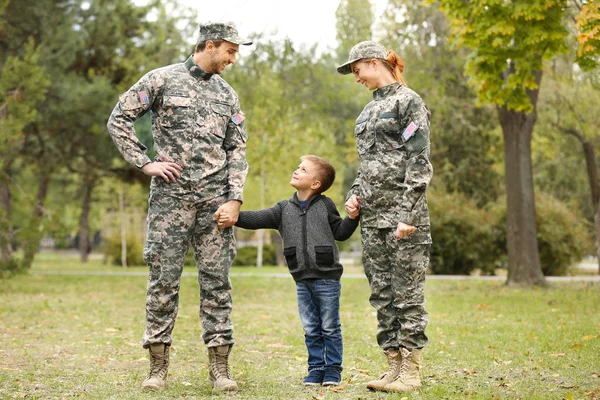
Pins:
<point x="23" y="84"/>
<point x="112" y="249"/>
<point x="11" y="267"/>
<point x="246" y="256"/>
<point x="464" y="236"/>
<point x="509" y="42"/>
<point x="354" y="19"/>
<point x="563" y="236"/>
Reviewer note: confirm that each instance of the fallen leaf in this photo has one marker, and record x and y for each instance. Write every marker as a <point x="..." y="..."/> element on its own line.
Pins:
<point x="576" y="345"/>
<point x="482" y="306"/>
<point x="558" y="355"/>
<point x="589" y="337"/>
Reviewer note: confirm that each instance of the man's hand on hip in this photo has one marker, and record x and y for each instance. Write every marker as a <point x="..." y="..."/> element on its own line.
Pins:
<point x="169" y="171"/>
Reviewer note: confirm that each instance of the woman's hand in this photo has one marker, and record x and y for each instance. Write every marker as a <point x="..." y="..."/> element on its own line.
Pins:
<point x="403" y="230"/>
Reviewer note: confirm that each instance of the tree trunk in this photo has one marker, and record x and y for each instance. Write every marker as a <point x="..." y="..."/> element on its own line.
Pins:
<point x="523" y="255"/>
<point x="88" y="187"/>
<point x="592" y="172"/>
<point x="34" y="237"/>
<point x="278" y="244"/>
<point x="6" y="236"/>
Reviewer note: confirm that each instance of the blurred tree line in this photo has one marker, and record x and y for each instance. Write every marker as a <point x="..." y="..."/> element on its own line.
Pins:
<point x="63" y="64"/>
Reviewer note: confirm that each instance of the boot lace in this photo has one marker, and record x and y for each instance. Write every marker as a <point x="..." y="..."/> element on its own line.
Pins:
<point x="220" y="366"/>
<point x="159" y="364"/>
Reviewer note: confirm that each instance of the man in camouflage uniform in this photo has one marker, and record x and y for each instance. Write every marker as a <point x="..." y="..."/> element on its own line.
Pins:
<point x="392" y="138"/>
<point x="200" y="169"/>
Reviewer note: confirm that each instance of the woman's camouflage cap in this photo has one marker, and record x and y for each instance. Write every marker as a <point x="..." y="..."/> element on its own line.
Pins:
<point x="221" y="30"/>
<point x="366" y="49"/>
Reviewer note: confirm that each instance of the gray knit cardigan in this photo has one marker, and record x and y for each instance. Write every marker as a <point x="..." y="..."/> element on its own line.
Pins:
<point x="308" y="234"/>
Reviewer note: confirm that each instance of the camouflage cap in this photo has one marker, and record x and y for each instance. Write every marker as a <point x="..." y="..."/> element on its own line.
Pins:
<point x="221" y="30"/>
<point x="366" y="49"/>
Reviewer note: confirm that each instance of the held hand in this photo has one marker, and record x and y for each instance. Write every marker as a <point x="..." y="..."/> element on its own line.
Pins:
<point x="403" y="230"/>
<point x="352" y="206"/>
<point x="227" y="215"/>
<point x="166" y="170"/>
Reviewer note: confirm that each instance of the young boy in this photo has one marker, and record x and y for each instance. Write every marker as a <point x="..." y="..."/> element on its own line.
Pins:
<point x="309" y="224"/>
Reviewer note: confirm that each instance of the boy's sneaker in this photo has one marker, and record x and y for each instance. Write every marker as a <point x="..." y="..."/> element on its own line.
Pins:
<point x="314" y="377"/>
<point x="332" y="377"/>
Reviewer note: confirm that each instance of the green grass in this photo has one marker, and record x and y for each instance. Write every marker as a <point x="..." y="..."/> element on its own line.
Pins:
<point x="79" y="336"/>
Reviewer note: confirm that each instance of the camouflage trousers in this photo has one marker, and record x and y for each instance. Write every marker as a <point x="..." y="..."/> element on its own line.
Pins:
<point x="396" y="271"/>
<point x="175" y="223"/>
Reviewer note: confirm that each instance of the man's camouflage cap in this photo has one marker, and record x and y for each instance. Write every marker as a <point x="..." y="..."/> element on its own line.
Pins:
<point x="221" y="30"/>
<point x="366" y="49"/>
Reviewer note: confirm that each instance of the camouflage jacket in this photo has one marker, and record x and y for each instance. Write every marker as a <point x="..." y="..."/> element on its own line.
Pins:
<point x="196" y="123"/>
<point x="392" y="138"/>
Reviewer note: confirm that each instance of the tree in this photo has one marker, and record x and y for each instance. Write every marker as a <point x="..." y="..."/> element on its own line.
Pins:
<point x="510" y="41"/>
<point x="354" y="19"/>
<point x="23" y="85"/>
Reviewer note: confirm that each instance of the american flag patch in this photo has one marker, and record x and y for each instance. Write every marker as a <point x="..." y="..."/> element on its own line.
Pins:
<point x="237" y="119"/>
<point x="409" y="131"/>
<point x="144" y="97"/>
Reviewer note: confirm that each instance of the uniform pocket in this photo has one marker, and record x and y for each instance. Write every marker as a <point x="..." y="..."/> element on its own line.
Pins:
<point x="221" y="114"/>
<point x="177" y="111"/>
<point x="153" y="248"/>
<point x="290" y="257"/>
<point x="364" y="139"/>
<point x="388" y="130"/>
<point x="324" y="256"/>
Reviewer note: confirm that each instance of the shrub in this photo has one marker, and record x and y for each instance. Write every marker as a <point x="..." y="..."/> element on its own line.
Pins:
<point x="562" y="235"/>
<point x="246" y="256"/>
<point x="112" y="250"/>
<point x="11" y="267"/>
<point x="463" y="235"/>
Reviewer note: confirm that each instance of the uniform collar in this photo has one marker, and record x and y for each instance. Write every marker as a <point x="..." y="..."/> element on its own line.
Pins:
<point x="386" y="91"/>
<point x="196" y="71"/>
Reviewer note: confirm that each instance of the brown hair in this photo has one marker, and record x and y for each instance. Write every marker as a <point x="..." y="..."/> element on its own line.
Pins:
<point x="202" y="45"/>
<point x="395" y="64"/>
<point x="325" y="171"/>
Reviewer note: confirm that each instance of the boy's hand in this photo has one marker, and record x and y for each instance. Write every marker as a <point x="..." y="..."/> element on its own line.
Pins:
<point x="352" y="206"/>
<point x="403" y="230"/>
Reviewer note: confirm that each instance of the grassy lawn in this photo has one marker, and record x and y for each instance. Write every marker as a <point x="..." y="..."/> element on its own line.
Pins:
<point x="65" y="336"/>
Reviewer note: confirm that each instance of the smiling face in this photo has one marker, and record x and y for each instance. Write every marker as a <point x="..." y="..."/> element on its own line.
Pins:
<point x="220" y="57"/>
<point x="366" y="72"/>
<point x="305" y="177"/>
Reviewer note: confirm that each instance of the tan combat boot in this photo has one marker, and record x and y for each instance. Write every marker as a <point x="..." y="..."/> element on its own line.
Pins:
<point x="219" y="375"/>
<point x="394" y="358"/>
<point x="409" y="378"/>
<point x="159" y="365"/>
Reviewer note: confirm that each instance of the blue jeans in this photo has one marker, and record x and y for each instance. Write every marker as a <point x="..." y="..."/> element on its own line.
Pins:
<point x="319" y="307"/>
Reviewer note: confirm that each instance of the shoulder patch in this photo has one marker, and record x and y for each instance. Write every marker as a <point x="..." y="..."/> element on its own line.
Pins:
<point x="238" y="118"/>
<point x="409" y="131"/>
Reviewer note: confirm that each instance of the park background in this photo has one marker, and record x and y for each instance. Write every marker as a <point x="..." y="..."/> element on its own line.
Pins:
<point x="514" y="92"/>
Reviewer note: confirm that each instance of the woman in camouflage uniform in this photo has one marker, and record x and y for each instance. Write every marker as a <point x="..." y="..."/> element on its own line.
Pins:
<point x="392" y="138"/>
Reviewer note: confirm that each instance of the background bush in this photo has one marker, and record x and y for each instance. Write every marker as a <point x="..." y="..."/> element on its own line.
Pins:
<point x="464" y="236"/>
<point x="112" y="250"/>
<point x="563" y="237"/>
<point x="246" y="256"/>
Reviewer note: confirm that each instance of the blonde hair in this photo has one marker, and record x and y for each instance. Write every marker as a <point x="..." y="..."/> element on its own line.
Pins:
<point x="395" y="64"/>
